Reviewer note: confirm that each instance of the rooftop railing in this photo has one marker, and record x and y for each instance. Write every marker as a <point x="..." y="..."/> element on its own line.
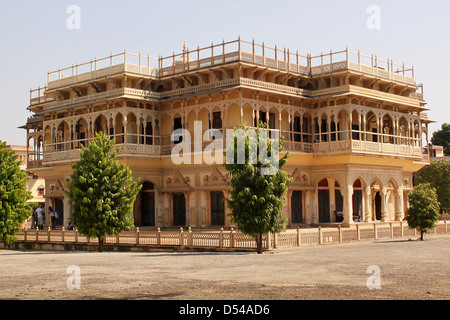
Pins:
<point x="37" y="96"/>
<point x="237" y="50"/>
<point x="110" y="61"/>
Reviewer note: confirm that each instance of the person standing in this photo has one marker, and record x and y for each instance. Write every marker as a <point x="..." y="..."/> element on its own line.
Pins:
<point x="52" y="217"/>
<point x="40" y="215"/>
<point x="33" y="218"/>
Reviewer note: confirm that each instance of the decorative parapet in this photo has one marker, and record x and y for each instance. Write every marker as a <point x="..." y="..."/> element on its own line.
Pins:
<point x="74" y="155"/>
<point x="233" y="51"/>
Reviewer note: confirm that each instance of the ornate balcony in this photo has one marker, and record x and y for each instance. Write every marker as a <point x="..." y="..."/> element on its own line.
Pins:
<point x="133" y="145"/>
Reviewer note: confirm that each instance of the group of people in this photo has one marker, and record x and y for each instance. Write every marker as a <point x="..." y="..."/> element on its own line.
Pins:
<point x="38" y="217"/>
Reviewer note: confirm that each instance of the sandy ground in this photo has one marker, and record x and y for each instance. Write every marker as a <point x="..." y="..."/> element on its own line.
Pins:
<point x="409" y="269"/>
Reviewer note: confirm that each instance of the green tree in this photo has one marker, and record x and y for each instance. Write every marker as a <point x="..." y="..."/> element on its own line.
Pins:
<point x="102" y="191"/>
<point x="256" y="197"/>
<point x="442" y="138"/>
<point x="437" y="174"/>
<point x="14" y="209"/>
<point x="423" y="212"/>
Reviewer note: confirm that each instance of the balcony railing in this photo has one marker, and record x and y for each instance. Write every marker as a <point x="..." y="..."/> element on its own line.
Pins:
<point x="308" y="143"/>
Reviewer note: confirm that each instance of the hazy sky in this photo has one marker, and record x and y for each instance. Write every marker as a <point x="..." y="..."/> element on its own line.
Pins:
<point x="35" y="38"/>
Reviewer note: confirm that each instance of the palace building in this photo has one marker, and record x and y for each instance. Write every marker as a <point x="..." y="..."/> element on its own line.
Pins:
<point x="355" y="126"/>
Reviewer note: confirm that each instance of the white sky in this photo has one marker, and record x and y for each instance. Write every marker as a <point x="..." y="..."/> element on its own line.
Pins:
<point x="34" y="38"/>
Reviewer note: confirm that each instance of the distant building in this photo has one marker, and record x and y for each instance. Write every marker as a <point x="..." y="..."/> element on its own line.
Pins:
<point x="437" y="152"/>
<point x="355" y="126"/>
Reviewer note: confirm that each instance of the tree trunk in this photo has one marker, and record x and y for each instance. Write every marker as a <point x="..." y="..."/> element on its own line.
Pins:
<point x="421" y="235"/>
<point x="100" y="243"/>
<point x="259" y="243"/>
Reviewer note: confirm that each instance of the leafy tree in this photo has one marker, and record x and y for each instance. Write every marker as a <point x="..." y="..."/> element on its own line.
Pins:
<point x="14" y="209"/>
<point x="442" y="138"/>
<point x="423" y="213"/>
<point x="437" y="174"/>
<point x="102" y="191"/>
<point x="256" y="197"/>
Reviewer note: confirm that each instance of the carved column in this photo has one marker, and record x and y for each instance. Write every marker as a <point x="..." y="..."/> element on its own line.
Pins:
<point x="347" y="194"/>
<point x="399" y="210"/>
<point x="279" y="120"/>
<point x="125" y="124"/>
<point x="383" y="194"/>
<point x="367" y="213"/>
<point x="314" y="209"/>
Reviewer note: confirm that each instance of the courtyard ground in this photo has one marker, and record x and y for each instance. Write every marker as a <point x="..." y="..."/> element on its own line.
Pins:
<point x="408" y="270"/>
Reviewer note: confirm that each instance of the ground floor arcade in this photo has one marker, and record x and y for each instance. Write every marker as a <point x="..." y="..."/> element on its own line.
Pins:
<point x="196" y="196"/>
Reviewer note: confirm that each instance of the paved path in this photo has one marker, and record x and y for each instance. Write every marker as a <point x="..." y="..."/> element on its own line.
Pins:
<point x="409" y="269"/>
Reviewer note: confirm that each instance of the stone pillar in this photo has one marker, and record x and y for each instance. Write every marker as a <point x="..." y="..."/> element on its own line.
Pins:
<point x="383" y="194"/>
<point x="313" y="207"/>
<point x="348" y="205"/>
<point x="125" y="130"/>
<point x="67" y="212"/>
<point x="307" y="208"/>
<point x="399" y="210"/>
<point x="367" y="211"/>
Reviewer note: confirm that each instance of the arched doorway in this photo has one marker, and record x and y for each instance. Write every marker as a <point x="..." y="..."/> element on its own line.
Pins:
<point x="324" y="201"/>
<point x="357" y="201"/>
<point x="179" y="209"/>
<point x="297" y="207"/>
<point x="58" y="206"/>
<point x="338" y="203"/>
<point x="377" y="205"/>
<point x="147" y="194"/>
<point x="217" y="208"/>
<point x="376" y="189"/>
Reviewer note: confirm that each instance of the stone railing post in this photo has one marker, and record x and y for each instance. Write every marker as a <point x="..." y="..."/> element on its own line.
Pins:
<point x="117" y="238"/>
<point x="340" y="233"/>
<point x="76" y="235"/>
<point x="63" y="231"/>
<point x="269" y="241"/>
<point x="137" y="235"/>
<point x="401" y="229"/>
<point x="181" y="237"/>
<point x="275" y="240"/>
<point x="299" y="240"/>
<point x="375" y="233"/>
<point x="445" y="221"/>
<point x="190" y="242"/>
<point x="221" y="238"/>
<point x="25" y="234"/>
<point x="320" y="235"/>
<point x="358" y="233"/>
<point x="48" y="234"/>
<point x="392" y="229"/>
<point x="231" y="238"/>
<point x="158" y="237"/>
